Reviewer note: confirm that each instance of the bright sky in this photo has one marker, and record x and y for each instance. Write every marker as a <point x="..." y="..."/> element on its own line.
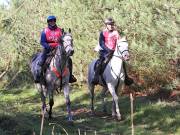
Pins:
<point x="3" y="2"/>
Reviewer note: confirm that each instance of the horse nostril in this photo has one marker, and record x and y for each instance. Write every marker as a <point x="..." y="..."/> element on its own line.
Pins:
<point x="126" y="57"/>
<point x="71" y="52"/>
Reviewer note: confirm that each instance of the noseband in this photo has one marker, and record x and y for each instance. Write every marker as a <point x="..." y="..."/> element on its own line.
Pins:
<point x="119" y="51"/>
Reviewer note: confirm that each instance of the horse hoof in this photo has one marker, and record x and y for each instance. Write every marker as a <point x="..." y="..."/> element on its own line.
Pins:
<point x="70" y="121"/>
<point x="104" y="111"/>
<point x="69" y="118"/>
<point x="92" y="113"/>
<point x="119" y="118"/>
<point x="114" y="117"/>
<point x="46" y="115"/>
<point x="50" y="117"/>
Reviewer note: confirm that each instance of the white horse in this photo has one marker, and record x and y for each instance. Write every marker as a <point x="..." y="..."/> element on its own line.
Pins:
<point x="113" y="76"/>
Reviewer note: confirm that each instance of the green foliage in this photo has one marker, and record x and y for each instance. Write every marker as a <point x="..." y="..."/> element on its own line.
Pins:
<point x="151" y="27"/>
<point x="20" y="110"/>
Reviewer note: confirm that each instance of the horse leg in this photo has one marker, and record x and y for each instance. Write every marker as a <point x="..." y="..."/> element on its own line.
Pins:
<point x="103" y="94"/>
<point x="91" y="91"/>
<point x="43" y="100"/>
<point x="51" y="101"/>
<point x="68" y="102"/>
<point x="113" y="109"/>
<point x="114" y="105"/>
<point x="43" y="93"/>
<point x="115" y="100"/>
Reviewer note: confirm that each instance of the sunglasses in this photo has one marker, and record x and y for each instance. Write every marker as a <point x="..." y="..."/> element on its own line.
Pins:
<point x="112" y="24"/>
<point x="52" y="20"/>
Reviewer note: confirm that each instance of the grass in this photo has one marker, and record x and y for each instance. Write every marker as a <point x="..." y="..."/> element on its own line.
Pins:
<point x="20" y="115"/>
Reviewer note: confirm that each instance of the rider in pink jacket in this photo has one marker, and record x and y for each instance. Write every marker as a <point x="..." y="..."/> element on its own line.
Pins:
<point x="107" y="41"/>
<point x="51" y="38"/>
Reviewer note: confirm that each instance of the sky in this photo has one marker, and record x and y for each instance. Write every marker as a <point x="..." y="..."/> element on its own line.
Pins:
<point x="3" y="2"/>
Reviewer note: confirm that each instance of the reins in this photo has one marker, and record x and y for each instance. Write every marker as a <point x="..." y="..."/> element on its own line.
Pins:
<point x="120" y="57"/>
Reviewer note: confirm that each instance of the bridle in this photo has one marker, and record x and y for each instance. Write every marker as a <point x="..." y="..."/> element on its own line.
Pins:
<point x="65" y="42"/>
<point x="62" y="52"/>
<point x="119" y="52"/>
<point x="64" y="47"/>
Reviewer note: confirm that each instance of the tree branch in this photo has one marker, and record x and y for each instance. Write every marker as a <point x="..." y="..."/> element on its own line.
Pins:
<point x="6" y="70"/>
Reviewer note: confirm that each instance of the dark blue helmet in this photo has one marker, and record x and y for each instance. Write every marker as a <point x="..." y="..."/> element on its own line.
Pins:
<point x="51" y="17"/>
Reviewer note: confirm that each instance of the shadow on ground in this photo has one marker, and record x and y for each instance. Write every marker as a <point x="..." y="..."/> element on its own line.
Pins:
<point x="150" y="117"/>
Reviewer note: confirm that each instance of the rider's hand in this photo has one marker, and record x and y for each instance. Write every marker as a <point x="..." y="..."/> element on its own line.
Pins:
<point x="60" y="40"/>
<point x="111" y="52"/>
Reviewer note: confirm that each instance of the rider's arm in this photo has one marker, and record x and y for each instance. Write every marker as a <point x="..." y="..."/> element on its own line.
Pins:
<point x="43" y="40"/>
<point x="102" y="42"/>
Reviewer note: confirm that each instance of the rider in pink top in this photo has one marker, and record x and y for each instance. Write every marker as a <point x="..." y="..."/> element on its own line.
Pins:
<point x="107" y="41"/>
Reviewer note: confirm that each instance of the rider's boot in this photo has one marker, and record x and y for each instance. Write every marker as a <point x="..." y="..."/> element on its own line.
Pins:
<point x="72" y="78"/>
<point x="41" y="64"/>
<point x="95" y="80"/>
<point x="128" y="81"/>
<point x="38" y="76"/>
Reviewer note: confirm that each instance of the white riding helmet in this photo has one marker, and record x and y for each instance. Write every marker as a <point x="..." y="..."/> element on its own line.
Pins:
<point x="109" y="21"/>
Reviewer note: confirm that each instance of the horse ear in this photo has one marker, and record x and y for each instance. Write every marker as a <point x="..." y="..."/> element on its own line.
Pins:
<point x="62" y="30"/>
<point x="124" y="38"/>
<point x="69" y="30"/>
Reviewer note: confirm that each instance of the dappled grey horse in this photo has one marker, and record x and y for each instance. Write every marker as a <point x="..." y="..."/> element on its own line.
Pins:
<point x="57" y="75"/>
<point x="113" y="76"/>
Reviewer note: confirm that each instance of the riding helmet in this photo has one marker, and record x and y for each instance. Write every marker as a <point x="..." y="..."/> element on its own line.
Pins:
<point x="51" y="17"/>
<point x="109" y="20"/>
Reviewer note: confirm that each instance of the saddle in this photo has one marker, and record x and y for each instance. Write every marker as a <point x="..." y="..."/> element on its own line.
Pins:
<point x="101" y="63"/>
<point x="37" y="70"/>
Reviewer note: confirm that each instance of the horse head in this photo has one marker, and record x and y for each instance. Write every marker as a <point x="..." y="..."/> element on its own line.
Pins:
<point x="122" y="49"/>
<point x="68" y="43"/>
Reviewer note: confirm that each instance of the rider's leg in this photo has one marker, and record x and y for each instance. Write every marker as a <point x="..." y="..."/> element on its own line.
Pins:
<point x="107" y="58"/>
<point x="41" y="63"/>
<point x="72" y="77"/>
<point x="97" y="70"/>
<point x="127" y="81"/>
<point x="43" y="57"/>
